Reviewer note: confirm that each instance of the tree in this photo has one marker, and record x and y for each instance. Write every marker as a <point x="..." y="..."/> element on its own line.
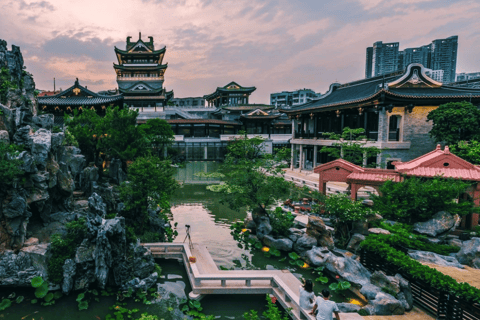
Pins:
<point x="414" y="199"/>
<point x="351" y="146"/>
<point x="454" y="122"/>
<point x="159" y="133"/>
<point x="9" y="165"/>
<point x="467" y="150"/>
<point x="150" y="184"/>
<point x="252" y="179"/>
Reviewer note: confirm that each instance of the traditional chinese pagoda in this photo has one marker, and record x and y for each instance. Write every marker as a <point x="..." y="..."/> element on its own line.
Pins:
<point x="232" y="94"/>
<point x="77" y="97"/>
<point x="140" y="75"/>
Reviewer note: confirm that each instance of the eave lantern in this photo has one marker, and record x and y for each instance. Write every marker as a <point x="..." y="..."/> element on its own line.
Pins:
<point x="360" y="111"/>
<point x="311" y="116"/>
<point x="338" y="113"/>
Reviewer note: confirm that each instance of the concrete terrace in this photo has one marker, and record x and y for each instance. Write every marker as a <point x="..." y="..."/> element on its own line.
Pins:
<point x="206" y="278"/>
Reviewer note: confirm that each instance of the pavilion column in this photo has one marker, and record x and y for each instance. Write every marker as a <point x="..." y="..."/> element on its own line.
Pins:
<point x="322" y="185"/>
<point x="293" y="128"/>
<point x="382" y="125"/>
<point x="365" y="159"/>
<point x="205" y="157"/>
<point x="292" y="157"/>
<point x="300" y="164"/>
<point x="353" y="191"/>
<point x="476" y="201"/>
<point x="315" y="150"/>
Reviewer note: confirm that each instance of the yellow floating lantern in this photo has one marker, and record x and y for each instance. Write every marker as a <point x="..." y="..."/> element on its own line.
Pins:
<point x="265" y="249"/>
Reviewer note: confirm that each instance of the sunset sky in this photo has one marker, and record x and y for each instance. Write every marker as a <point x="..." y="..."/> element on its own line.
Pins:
<point x="273" y="45"/>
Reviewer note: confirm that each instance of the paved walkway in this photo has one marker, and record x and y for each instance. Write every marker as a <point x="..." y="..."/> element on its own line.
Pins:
<point x="469" y="275"/>
<point x="415" y="314"/>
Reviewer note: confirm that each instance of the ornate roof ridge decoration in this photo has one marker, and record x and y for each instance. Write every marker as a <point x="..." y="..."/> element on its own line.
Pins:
<point x="415" y="77"/>
<point x="257" y="112"/>
<point x="157" y="67"/>
<point x="126" y="52"/>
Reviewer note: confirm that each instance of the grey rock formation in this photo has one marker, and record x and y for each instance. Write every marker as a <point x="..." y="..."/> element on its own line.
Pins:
<point x="317" y="229"/>
<point x="347" y="268"/>
<point x="143" y="284"/>
<point x="28" y="164"/>
<point x="469" y="253"/>
<point x="23" y="137"/>
<point x="378" y="231"/>
<point x="294" y="234"/>
<point x="386" y="305"/>
<point x="88" y="179"/>
<point x="441" y="222"/>
<point x="57" y="140"/>
<point x="74" y="160"/>
<point x="370" y="291"/>
<point x="41" y="145"/>
<point x="405" y="296"/>
<point x="17" y="270"/>
<point x="96" y="205"/>
<point x="380" y="279"/>
<point x="348" y="307"/>
<point x="4" y="137"/>
<point x="44" y="121"/>
<point x="304" y="243"/>
<point x="355" y="241"/>
<point x="69" y="271"/>
<point x="263" y="227"/>
<point x="282" y="244"/>
<point x="431" y="257"/>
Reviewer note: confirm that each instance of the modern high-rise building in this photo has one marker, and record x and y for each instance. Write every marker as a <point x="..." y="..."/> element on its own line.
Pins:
<point x="292" y="98"/>
<point x="381" y="58"/>
<point x="441" y="54"/>
<point x="444" y="57"/>
<point x="465" y="76"/>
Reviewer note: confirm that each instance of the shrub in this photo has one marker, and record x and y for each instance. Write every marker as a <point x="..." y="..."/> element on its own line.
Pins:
<point x="416" y="270"/>
<point x="415" y="199"/>
<point x="63" y="248"/>
<point x="9" y="165"/>
<point x="280" y="221"/>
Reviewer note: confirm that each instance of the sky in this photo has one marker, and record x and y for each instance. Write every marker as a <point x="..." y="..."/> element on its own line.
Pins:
<point x="274" y="45"/>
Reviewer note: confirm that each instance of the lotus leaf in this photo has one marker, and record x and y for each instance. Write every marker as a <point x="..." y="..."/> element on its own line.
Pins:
<point x="42" y="290"/>
<point x="37" y="282"/>
<point x="83" y="305"/>
<point x="5" y="304"/>
<point x="19" y="299"/>
<point x="49" y="297"/>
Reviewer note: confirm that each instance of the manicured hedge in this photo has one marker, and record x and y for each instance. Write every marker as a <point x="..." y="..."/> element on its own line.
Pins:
<point x="407" y="265"/>
<point x="415" y="244"/>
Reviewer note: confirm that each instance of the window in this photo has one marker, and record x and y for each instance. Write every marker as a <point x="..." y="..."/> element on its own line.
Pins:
<point x="394" y="128"/>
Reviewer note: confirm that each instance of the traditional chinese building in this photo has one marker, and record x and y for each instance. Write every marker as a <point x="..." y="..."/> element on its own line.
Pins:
<point x="140" y="75"/>
<point x="77" y="97"/>
<point x="437" y="163"/>
<point x="392" y="109"/>
<point x="232" y="94"/>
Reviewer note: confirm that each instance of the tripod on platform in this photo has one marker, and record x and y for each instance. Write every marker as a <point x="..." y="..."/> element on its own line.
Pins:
<point x="190" y="243"/>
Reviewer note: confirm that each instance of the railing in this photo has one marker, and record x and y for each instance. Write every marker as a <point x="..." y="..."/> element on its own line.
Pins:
<point x="440" y="303"/>
<point x="276" y="286"/>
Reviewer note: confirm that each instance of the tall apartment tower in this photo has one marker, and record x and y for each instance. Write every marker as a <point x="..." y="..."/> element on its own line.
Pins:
<point x="441" y="54"/>
<point x="384" y="58"/>
<point x="444" y="57"/>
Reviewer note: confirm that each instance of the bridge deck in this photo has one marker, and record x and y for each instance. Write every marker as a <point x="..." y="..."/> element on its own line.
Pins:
<point x="205" y="278"/>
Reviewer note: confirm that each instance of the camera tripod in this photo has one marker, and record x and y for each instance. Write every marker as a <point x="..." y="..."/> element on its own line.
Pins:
<point x="190" y="243"/>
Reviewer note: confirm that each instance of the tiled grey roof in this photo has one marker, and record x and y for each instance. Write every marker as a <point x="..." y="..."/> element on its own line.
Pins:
<point x="78" y="101"/>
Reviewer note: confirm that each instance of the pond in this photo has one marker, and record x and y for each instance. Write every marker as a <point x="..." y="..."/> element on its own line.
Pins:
<point x="210" y="223"/>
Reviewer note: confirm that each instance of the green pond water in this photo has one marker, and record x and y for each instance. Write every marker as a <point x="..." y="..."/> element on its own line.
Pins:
<point x="200" y="208"/>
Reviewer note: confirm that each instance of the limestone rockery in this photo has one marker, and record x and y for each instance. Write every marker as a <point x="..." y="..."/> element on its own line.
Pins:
<point x="57" y="187"/>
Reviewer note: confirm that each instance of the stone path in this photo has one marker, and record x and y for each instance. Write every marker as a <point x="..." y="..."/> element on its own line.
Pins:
<point x="415" y="314"/>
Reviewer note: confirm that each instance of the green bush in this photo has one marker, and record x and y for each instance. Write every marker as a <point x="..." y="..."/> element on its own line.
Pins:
<point x="414" y="199"/>
<point x="402" y="237"/>
<point x="63" y="248"/>
<point x="280" y="221"/>
<point x="9" y="166"/>
<point x="406" y="265"/>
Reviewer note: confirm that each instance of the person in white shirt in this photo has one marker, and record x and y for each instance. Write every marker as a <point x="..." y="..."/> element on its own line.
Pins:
<point x="325" y="308"/>
<point x="307" y="297"/>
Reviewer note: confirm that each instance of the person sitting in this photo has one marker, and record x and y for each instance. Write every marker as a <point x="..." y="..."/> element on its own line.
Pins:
<point x="307" y="297"/>
<point x="325" y="308"/>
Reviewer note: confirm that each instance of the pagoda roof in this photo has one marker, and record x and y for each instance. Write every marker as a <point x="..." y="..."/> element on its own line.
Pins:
<point x="229" y="88"/>
<point x="78" y="95"/>
<point x="132" y="51"/>
<point x="412" y="86"/>
<point x="259" y="114"/>
<point x="141" y="87"/>
<point x="203" y="121"/>
<point x="134" y="67"/>
<point x="248" y="107"/>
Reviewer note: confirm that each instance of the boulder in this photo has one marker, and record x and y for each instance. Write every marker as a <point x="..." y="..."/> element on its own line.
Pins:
<point x="347" y="268"/>
<point x="85" y="252"/>
<point x="370" y="291"/>
<point x="74" y="160"/>
<point x="355" y="241"/>
<point x="172" y="289"/>
<point x="15" y="208"/>
<point x="294" y="234"/>
<point x="4" y="137"/>
<point x="44" y="121"/>
<point x="96" y="205"/>
<point x="263" y="227"/>
<point x="469" y="252"/>
<point x="143" y="284"/>
<point x="380" y="279"/>
<point x="31" y="242"/>
<point x="441" y="222"/>
<point x="65" y="180"/>
<point x="69" y="271"/>
<point x="57" y="140"/>
<point x="23" y="137"/>
<point x="386" y="305"/>
<point x="316" y="228"/>
<point x="107" y="192"/>
<point x="28" y="163"/>
<point x="282" y="244"/>
<point x="17" y="270"/>
<point x="348" y="307"/>
<point x="455" y="242"/>
<point x="88" y="179"/>
<point x="405" y="296"/>
<point x="41" y="145"/>
<point x="37" y="195"/>
<point x="378" y="231"/>
<point x="304" y="243"/>
<point x="431" y="257"/>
